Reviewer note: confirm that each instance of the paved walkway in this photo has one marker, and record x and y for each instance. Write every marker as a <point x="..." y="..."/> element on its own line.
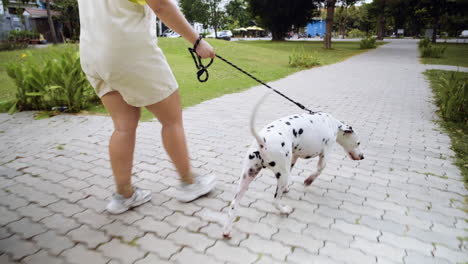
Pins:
<point x="402" y="204"/>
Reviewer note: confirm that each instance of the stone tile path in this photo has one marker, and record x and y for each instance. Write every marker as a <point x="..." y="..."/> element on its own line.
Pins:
<point x="402" y="204"/>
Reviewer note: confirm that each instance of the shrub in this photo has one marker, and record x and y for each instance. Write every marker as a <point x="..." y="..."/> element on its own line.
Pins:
<point x="432" y="51"/>
<point x="57" y="81"/>
<point x="356" y="33"/>
<point x="424" y="42"/>
<point x="368" y="43"/>
<point x="300" y="58"/>
<point x="451" y="94"/>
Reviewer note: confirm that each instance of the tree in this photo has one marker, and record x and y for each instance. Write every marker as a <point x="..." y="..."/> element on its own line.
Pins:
<point x="69" y="16"/>
<point x="194" y="10"/>
<point x="238" y="13"/>
<point x="279" y="16"/>
<point x="216" y="17"/>
<point x="330" y="6"/>
<point x="51" y="22"/>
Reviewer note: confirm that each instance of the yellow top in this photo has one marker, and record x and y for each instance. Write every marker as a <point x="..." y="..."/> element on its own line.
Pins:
<point x="141" y="2"/>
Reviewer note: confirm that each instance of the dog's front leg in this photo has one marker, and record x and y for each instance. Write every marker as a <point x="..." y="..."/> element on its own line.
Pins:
<point x="320" y="166"/>
<point x="282" y="177"/>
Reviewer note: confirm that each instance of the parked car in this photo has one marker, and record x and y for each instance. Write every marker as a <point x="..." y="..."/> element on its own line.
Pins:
<point x="225" y="34"/>
<point x="170" y="34"/>
<point x="211" y="35"/>
<point x="464" y="34"/>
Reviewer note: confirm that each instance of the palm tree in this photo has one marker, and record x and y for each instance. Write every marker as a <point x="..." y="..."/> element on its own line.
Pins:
<point x="51" y="23"/>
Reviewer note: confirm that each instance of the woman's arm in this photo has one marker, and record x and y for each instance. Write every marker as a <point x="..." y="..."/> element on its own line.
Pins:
<point x="170" y="14"/>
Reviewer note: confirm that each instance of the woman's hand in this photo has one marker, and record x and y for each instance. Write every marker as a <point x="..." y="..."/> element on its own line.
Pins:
<point x="205" y="50"/>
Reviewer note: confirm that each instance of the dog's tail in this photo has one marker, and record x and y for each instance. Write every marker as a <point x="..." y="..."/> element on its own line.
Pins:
<point x="252" y="118"/>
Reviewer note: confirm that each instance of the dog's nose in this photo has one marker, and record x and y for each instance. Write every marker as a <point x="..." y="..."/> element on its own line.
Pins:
<point x="361" y="156"/>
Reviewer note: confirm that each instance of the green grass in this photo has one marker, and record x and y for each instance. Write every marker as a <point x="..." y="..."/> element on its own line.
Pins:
<point x="458" y="132"/>
<point x="266" y="60"/>
<point x="455" y="54"/>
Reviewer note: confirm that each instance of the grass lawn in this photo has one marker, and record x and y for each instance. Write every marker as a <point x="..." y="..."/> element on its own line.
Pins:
<point x="458" y="131"/>
<point x="265" y="59"/>
<point x="455" y="54"/>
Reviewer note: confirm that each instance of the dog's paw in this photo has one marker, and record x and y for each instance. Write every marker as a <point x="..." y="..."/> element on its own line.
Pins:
<point x="286" y="189"/>
<point x="308" y="181"/>
<point x="286" y="210"/>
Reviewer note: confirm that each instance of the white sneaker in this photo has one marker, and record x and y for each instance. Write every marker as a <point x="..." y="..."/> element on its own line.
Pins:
<point x="119" y="204"/>
<point x="201" y="185"/>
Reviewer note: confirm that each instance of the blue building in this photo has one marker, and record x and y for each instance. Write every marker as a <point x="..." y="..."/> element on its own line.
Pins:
<point x="316" y="28"/>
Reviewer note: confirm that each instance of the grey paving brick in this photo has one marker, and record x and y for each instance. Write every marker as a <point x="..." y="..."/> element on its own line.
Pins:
<point x="310" y="217"/>
<point x="347" y="255"/>
<point x="26" y="228"/>
<point x="125" y="253"/>
<point x="17" y="248"/>
<point x="92" y="238"/>
<point x="66" y="208"/>
<point x="13" y="202"/>
<point x="186" y="208"/>
<point x="152" y="259"/>
<point x="190" y="222"/>
<point x="387" y="206"/>
<point x="279" y="221"/>
<point x="79" y="254"/>
<point x="405" y="242"/>
<point x="362" y="210"/>
<point x="129" y="217"/>
<point x="261" y="229"/>
<point x="222" y="251"/>
<point x="300" y="256"/>
<point x="267" y="247"/>
<point x="434" y="237"/>
<point x="94" y="203"/>
<point x="381" y="225"/>
<point x="34" y="211"/>
<point x="306" y="242"/>
<point x="379" y="249"/>
<point x="42" y="257"/>
<point x="187" y="255"/>
<point x="215" y="231"/>
<point x="416" y="257"/>
<point x="7" y="216"/>
<point x="356" y="229"/>
<point x="125" y="232"/>
<point x="53" y="242"/>
<point x="208" y="215"/>
<point x="407" y="220"/>
<point x="198" y="242"/>
<point x="148" y="224"/>
<point x="454" y="256"/>
<point x="161" y="247"/>
<point x="325" y="234"/>
<point x="156" y="211"/>
<point x="93" y="219"/>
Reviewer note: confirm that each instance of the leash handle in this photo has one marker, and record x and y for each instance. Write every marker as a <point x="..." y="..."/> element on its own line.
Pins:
<point x="202" y="73"/>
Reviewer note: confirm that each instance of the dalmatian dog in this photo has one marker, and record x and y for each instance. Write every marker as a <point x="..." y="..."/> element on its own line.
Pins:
<point x="279" y="145"/>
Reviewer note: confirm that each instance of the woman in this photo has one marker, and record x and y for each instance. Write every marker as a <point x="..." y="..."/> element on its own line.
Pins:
<point x="122" y="61"/>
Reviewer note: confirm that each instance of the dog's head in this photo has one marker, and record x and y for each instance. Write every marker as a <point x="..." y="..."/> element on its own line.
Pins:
<point x="349" y="140"/>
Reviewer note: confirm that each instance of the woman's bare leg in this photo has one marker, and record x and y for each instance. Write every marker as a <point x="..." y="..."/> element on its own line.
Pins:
<point x="169" y="113"/>
<point x="122" y="142"/>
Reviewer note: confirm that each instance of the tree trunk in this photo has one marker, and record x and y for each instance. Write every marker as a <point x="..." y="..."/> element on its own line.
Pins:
<point x="381" y="23"/>
<point x="277" y="36"/>
<point x="329" y="20"/>
<point x="51" y="23"/>
<point x="434" y="30"/>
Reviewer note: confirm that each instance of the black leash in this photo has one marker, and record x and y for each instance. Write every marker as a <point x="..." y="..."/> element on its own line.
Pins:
<point x="203" y="71"/>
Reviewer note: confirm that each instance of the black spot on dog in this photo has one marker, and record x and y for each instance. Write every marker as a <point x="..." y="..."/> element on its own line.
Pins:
<point x="264" y="140"/>
<point x="287" y="153"/>
<point x="276" y="192"/>
<point x="279" y="133"/>
<point x="282" y="144"/>
<point x="278" y="175"/>
<point x="311" y="121"/>
<point x="272" y="164"/>
<point x="257" y="154"/>
<point x="296" y="116"/>
<point x="308" y="157"/>
<point x="294" y="132"/>
<point x="287" y="123"/>
<point x="295" y="147"/>
<point x="261" y="146"/>
<point x="323" y="139"/>
<point x="301" y="131"/>
<point x="251" y="156"/>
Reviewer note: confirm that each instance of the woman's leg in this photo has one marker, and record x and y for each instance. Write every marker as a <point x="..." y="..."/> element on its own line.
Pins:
<point x="169" y="113"/>
<point x="122" y="142"/>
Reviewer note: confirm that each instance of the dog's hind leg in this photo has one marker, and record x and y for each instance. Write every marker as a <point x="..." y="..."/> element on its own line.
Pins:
<point x="320" y="166"/>
<point x="249" y="172"/>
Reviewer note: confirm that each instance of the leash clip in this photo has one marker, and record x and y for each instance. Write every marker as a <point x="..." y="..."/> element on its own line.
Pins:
<point x="202" y="73"/>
